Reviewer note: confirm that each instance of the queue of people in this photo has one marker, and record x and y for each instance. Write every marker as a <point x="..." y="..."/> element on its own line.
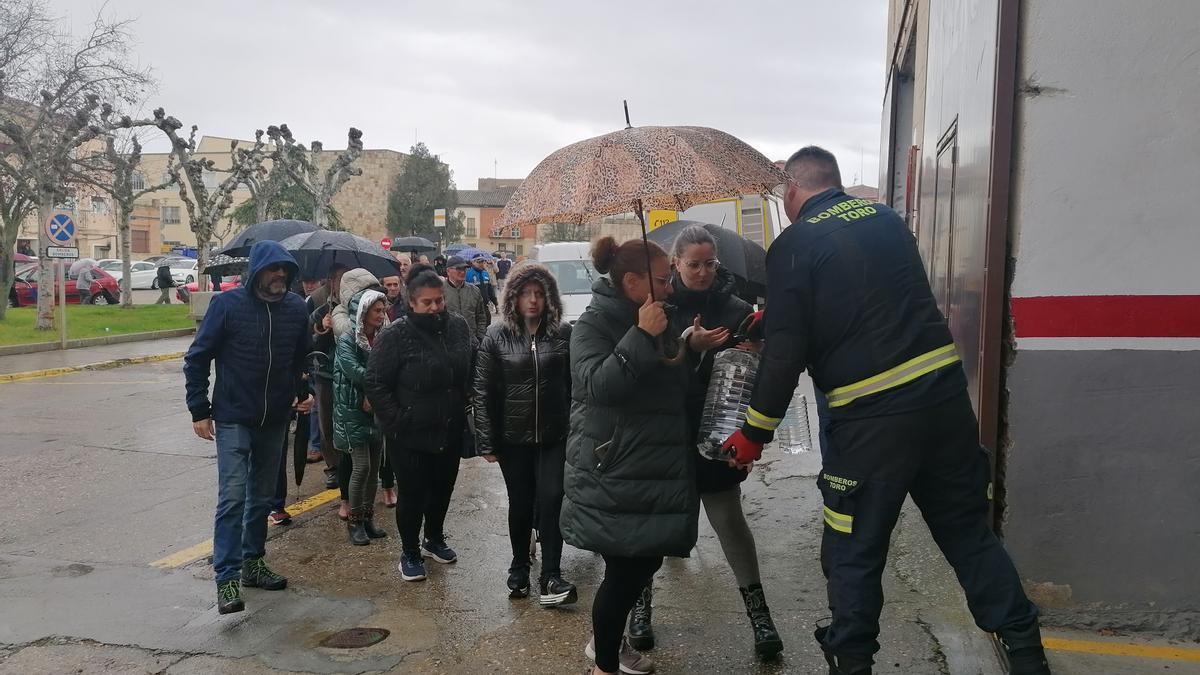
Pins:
<point x="593" y="425"/>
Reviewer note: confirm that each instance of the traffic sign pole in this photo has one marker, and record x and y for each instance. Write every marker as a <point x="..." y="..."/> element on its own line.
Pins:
<point x="62" y="303"/>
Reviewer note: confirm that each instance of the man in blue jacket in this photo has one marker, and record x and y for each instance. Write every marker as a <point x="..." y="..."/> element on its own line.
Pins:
<point x="849" y="301"/>
<point x="258" y="336"/>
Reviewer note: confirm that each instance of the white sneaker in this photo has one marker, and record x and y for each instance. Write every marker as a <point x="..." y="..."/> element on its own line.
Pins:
<point x="632" y="662"/>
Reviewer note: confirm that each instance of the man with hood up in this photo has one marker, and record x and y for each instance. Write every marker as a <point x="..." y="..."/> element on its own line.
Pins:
<point x="258" y="336"/>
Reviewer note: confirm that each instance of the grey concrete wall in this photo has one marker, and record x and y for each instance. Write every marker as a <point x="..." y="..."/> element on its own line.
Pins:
<point x="1103" y="482"/>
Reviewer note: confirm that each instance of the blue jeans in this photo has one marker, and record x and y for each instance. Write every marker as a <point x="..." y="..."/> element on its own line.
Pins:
<point x="248" y="461"/>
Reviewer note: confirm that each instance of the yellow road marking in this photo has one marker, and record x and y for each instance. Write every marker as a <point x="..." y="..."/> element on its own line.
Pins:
<point x="67" y="370"/>
<point x="204" y="548"/>
<point x="1122" y="649"/>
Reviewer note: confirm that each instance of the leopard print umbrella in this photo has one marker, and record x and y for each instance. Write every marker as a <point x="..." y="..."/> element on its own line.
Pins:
<point x="637" y="169"/>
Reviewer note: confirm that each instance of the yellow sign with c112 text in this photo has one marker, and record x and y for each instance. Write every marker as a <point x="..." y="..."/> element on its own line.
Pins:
<point x="660" y="217"/>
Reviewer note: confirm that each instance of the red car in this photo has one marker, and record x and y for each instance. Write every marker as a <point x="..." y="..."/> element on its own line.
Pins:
<point x="105" y="289"/>
<point x="227" y="284"/>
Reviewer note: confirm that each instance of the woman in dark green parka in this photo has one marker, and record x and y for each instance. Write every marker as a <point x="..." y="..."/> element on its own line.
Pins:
<point x="629" y="481"/>
<point x="354" y="429"/>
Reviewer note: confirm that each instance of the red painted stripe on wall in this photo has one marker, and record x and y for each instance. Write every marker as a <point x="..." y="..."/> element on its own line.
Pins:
<point x="1107" y="316"/>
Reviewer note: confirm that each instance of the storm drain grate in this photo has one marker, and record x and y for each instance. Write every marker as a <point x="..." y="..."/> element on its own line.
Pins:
<point x="356" y="638"/>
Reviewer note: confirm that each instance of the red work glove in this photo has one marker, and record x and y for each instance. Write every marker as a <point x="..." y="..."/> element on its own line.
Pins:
<point x="742" y="450"/>
<point x="752" y="327"/>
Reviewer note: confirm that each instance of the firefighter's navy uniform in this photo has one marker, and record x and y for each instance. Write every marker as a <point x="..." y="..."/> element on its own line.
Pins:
<point x="848" y="300"/>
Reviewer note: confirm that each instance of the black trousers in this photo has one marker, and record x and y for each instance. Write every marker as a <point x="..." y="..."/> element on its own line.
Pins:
<point x="533" y="475"/>
<point x="624" y="579"/>
<point x="425" y="483"/>
<point x="872" y="464"/>
<point x="344" y="468"/>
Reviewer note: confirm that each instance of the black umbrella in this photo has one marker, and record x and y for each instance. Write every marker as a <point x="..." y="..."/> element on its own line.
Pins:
<point x="317" y="253"/>
<point x="413" y="245"/>
<point x="271" y="230"/>
<point x="226" y="265"/>
<point x="744" y="258"/>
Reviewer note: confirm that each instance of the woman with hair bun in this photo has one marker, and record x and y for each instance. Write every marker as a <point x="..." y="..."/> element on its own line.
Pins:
<point x="630" y="488"/>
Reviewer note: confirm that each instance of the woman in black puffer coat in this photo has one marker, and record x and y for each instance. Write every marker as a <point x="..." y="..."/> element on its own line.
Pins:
<point x="417" y="381"/>
<point x="522" y="409"/>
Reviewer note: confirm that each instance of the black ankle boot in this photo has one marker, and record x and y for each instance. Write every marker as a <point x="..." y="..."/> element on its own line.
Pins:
<point x="368" y="523"/>
<point x="1026" y="656"/>
<point x="641" y="632"/>
<point x="767" y="643"/>
<point x="354" y="528"/>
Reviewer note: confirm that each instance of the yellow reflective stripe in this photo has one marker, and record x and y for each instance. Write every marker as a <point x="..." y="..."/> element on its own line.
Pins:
<point x="894" y="377"/>
<point x="757" y="419"/>
<point x="839" y="521"/>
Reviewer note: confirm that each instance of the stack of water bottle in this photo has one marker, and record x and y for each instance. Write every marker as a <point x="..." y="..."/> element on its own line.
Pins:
<point x="728" y="397"/>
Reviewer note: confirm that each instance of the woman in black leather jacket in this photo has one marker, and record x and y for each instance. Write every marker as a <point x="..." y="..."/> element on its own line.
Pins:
<point x="522" y="406"/>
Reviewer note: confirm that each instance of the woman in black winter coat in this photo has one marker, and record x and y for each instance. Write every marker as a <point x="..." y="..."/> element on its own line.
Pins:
<point x="522" y="405"/>
<point x="630" y="486"/>
<point x="707" y="315"/>
<point x="418" y="378"/>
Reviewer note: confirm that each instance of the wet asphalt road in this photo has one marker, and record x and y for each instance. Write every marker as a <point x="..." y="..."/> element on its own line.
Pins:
<point x="111" y="479"/>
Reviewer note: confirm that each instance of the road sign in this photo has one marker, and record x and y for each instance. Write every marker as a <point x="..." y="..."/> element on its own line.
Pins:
<point x="60" y="228"/>
<point x="439" y="217"/>
<point x="65" y="252"/>
<point x="386" y="242"/>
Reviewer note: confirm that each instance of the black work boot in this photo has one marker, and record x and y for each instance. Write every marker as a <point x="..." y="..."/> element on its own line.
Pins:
<point x="767" y="643"/>
<point x="842" y="664"/>
<point x="641" y="632"/>
<point x="229" y="597"/>
<point x="1026" y="656"/>
<point x="355" y="529"/>
<point x="256" y="574"/>
<point x="368" y="524"/>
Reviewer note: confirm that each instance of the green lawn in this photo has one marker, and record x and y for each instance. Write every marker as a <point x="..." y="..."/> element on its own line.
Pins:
<point x="87" y="321"/>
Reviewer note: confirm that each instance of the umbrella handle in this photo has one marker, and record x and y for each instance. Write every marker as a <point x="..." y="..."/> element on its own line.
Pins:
<point x="646" y="247"/>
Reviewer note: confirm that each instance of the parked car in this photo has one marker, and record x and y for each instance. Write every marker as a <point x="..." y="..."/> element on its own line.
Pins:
<point x="105" y="289"/>
<point x="571" y="264"/>
<point x="227" y="283"/>
<point x="183" y="270"/>
<point x="142" y="274"/>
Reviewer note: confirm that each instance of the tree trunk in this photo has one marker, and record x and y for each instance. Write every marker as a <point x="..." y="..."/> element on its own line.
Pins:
<point x="203" y="239"/>
<point x="320" y="213"/>
<point x="260" y="207"/>
<point x="6" y="277"/>
<point x="126" y="253"/>
<point x="46" y="278"/>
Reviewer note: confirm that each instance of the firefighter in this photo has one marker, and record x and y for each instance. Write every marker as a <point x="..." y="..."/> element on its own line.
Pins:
<point x="848" y="299"/>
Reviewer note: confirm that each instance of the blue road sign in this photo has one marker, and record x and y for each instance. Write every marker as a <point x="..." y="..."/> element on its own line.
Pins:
<point x="61" y="229"/>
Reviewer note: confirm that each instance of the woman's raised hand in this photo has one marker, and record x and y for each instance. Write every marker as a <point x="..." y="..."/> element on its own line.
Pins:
<point x="652" y="318"/>
<point x="702" y="339"/>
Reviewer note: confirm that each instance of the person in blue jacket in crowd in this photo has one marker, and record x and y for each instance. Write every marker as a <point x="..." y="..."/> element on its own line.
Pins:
<point x="258" y="336"/>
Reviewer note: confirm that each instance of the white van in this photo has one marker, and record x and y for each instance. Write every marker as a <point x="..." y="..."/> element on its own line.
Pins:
<point x="571" y="264"/>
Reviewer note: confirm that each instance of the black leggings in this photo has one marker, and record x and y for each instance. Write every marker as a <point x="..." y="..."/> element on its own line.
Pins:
<point x="533" y="475"/>
<point x="387" y="477"/>
<point x="344" y="468"/>
<point x="425" y="482"/>
<point x="624" y="579"/>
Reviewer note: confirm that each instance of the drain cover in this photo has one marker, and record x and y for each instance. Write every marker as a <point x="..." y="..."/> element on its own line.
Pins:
<point x="355" y="638"/>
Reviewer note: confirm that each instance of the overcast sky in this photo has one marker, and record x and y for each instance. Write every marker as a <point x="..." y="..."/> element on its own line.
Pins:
<point x="510" y="81"/>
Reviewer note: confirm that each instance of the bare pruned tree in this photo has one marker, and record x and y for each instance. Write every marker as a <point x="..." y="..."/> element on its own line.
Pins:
<point x="61" y="101"/>
<point x="265" y="185"/>
<point x="207" y="207"/>
<point x="115" y="171"/>
<point x="303" y="165"/>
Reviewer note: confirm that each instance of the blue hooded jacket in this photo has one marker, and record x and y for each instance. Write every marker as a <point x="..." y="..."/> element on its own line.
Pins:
<point x="259" y="346"/>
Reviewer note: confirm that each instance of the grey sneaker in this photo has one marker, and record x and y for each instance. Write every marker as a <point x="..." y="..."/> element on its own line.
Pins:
<point x="632" y="662"/>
